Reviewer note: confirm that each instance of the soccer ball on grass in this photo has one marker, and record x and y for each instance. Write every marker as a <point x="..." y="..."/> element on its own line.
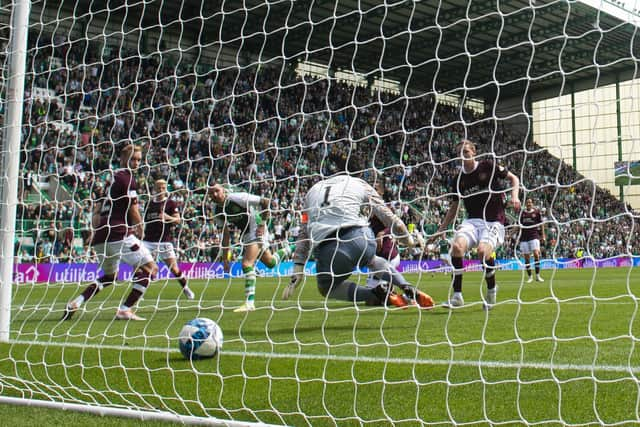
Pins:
<point x="200" y="338"/>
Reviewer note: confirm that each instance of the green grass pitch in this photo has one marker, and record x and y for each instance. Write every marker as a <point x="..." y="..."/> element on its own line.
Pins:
<point x="560" y="352"/>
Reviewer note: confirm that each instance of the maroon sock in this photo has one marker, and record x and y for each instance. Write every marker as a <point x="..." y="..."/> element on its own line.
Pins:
<point x="181" y="279"/>
<point x="94" y="288"/>
<point x="140" y="284"/>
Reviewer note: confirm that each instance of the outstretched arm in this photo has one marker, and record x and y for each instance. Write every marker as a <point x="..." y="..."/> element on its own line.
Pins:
<point x="390" y="220"/>
<point x="300" y="256"/>
<point x="226" y="240"/>
<point x="450" y="216"/>
<point x="515" y="190"/>
<point x="174" y="218"/>
<point x="264" y="215"/>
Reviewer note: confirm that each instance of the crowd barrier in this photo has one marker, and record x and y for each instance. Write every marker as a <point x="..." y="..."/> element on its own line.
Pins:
<point x="76" y="273"/>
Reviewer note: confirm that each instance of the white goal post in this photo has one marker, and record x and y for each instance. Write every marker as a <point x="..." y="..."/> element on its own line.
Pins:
<point x="268" y="97"/>
<point x="11" y="139"/>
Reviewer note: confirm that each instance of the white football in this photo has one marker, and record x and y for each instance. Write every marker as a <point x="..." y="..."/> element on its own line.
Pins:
<point x="200" y="338"/>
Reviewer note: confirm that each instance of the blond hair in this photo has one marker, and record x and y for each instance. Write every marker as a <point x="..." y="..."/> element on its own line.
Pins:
<point x="464" y="142"/>
<point x="128" y="151"/>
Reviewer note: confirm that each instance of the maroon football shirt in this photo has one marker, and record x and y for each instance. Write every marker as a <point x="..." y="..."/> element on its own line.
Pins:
<point x="530" y="219"/>
<point x="155" y="230"/>
<point x="121" y="195"/>
<point x="481" y="192"/>
<point x="388" y="249"/>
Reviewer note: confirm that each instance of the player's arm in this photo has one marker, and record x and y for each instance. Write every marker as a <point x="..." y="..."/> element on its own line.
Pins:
<point x="95" y="215"/>
<point x="135" y="218"/>
<point x="226" y="247"/>
<point x="173" y="218"/>
<point x="449" y="217"/>
<point x="398" y="228"/>
<point x="300" y="257"/>
<point x="543" y="233"/>
<point x="380" y="239"/>
<point x="515" y="190"/>
<point x="264" y="215"/>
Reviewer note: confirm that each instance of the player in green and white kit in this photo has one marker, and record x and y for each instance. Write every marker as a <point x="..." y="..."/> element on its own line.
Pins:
<point x="250" y="214"/>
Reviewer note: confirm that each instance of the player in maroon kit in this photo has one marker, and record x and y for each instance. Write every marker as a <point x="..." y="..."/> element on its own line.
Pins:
<point x="117" y="226"/>
<point x="386" y="247"/>
<point x="160" y="217"/>
<point x="531" y="233"/>
<point x="478" y="187"/>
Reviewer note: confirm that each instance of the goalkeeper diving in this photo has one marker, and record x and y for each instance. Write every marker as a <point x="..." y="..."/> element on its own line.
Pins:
<point x="336" y="230"/>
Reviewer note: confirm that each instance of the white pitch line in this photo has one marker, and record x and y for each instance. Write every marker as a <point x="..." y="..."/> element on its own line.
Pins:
<point x="232" y="303"/>
<point x="364" y="359"/>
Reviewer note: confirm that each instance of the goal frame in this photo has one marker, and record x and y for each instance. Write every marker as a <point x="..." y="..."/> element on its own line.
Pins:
<point x="11" y="157"/>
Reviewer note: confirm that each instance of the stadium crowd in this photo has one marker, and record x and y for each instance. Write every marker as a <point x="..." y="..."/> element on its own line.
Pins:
<point x="273" y="133"/>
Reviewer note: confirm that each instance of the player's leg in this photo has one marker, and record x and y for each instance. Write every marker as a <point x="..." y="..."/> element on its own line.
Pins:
<point x="172" y="263"/>
<point x="491" y="237"/>
<point x="336" y="259"/>
<point x="524" y="248"/>
<point x="271" y="259"/>
<point x="373" y="279"/>
<point x="249" y="258"/>
<point x="527" y="266"/>
<point x="167" y="254"/>
<point x="485" y="254"/>
<point x="388" y="273"/>
<point x="464" y="238"/>
<point x="145" y="269"/>
<point x="536" y="258"/>
<point x="108" y="262"/>
<point x="446" y="261"/>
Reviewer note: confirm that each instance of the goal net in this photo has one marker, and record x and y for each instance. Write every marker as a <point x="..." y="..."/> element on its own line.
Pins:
<point x="268" y="97"/>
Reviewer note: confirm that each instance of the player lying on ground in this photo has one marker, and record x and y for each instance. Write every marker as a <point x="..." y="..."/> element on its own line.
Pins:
<point x="337" y="231"/>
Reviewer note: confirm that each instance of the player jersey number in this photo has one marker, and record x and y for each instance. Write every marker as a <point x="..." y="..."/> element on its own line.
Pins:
<point x="326" y="201"/>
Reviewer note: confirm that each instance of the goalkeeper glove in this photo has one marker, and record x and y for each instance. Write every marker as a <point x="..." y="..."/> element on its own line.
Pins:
<point x="296" y="278"/>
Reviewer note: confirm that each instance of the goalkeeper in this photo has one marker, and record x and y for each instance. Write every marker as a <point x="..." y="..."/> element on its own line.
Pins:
<point x="249" y="214"/>
<point x="336" y="229"/>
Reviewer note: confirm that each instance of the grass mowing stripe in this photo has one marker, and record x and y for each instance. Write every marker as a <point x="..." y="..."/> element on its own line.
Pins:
<point x="232" y="303"/>
<point x="365" y="359"/>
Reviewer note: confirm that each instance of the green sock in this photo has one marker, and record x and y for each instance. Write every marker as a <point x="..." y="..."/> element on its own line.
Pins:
<point x="249" y="283"/>
<point x="279" y="255"/>
<point x="275" y="259"/>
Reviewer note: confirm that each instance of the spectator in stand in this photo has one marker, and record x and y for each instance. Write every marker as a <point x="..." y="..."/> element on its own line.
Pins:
<point x="182" y="143"/>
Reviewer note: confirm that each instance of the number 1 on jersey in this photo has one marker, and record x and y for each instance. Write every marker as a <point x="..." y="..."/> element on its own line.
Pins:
<point x="326" y="202"/>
